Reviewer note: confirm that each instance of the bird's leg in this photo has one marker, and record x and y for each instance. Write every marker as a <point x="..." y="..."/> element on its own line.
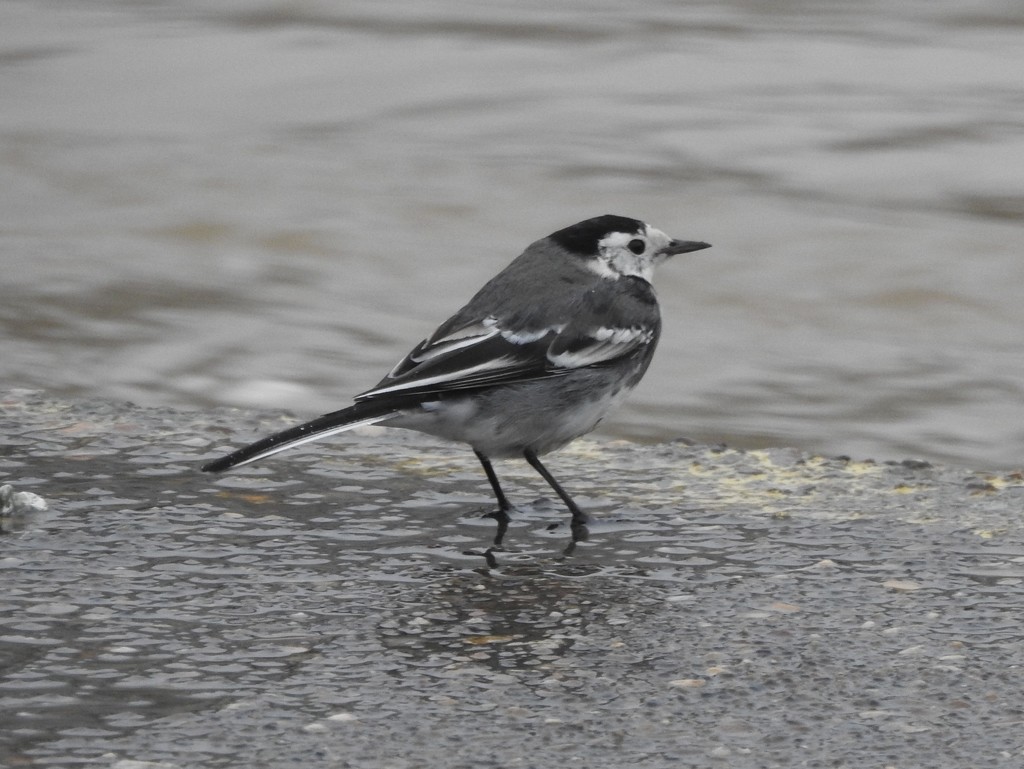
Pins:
<point x="579" y="518"/>
<point x="501" y="514"/>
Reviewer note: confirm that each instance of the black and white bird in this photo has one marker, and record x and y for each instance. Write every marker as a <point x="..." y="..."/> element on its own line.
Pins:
<point x="535" y="360"/>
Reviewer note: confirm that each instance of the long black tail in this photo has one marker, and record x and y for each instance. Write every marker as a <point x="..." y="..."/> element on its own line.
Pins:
<point x="336" y="422"/>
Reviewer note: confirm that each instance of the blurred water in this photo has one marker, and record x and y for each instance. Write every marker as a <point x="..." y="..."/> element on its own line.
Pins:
<point x="269" y="203"/>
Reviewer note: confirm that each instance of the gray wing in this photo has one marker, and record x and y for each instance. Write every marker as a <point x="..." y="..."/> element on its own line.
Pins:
<point x="598" y="326"/>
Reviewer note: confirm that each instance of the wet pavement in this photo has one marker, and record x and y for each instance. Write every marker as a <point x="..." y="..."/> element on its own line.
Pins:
<point x="331" y="608"/>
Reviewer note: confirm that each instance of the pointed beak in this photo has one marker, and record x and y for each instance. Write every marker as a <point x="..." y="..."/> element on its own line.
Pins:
<point x="683" y="247"/>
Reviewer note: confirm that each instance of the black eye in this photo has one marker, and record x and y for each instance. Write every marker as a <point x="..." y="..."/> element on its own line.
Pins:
<point x="637" y="246"/>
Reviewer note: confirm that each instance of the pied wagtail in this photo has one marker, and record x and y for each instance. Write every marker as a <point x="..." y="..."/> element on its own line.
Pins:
<point x="535" y="360"/>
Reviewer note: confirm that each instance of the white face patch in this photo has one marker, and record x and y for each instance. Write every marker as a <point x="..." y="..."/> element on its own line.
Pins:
<point x="630" y="253"/>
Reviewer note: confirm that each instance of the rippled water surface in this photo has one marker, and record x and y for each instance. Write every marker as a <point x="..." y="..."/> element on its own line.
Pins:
<point x="268" y="203"/>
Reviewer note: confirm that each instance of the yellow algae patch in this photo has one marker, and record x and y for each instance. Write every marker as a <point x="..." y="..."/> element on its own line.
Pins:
<point x="427" y="465"/>
<point x="482" y="640"/>
<point x="861" y="468"/>
<point x="688" y="683"/>
<point x="254" y="498"/>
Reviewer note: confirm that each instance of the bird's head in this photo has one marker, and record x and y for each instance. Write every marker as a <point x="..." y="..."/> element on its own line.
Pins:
<point x="617" y="246"/>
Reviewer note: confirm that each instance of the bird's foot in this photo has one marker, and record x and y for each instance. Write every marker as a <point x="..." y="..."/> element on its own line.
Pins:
<point x="580" y="533"/>
<point x="487" y="555"/>
<point x="578" y="529"/>
<point x="502" y="517"/>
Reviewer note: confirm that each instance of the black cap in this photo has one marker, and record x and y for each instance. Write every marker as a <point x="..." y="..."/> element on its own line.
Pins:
<point x="582" y="238"/>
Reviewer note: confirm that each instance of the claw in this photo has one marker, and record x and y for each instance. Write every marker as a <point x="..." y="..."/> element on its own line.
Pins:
<point x="502" y="518"/>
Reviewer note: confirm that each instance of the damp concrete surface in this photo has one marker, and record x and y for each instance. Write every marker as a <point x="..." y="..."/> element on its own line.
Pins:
<point x="333" y="607"/>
